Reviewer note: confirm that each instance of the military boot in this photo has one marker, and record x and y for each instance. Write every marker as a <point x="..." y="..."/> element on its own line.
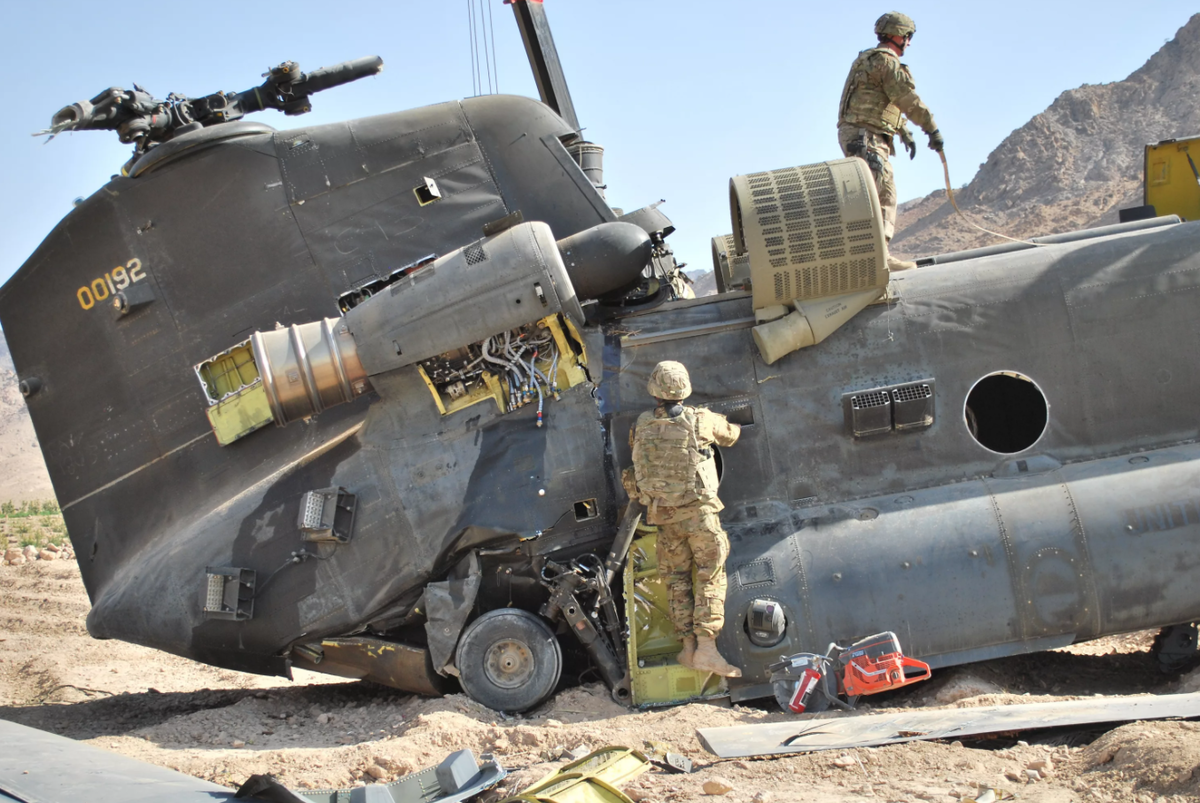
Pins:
<point x="707" y="659"/>
<point x="688" y="652"/>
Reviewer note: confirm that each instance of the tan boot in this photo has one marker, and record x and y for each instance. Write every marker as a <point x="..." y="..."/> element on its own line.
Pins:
<point x="707" y="659"/>
<point x="895" y="263"/>
<point x="688" y="652"/>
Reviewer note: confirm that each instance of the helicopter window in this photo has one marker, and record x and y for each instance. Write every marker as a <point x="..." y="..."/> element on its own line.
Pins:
<point x="586" y="510"/>
<point x="1006" y="412"/>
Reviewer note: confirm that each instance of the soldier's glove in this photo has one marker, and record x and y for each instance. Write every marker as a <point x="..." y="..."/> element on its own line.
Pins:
<point x="629" y="482"/>
<point x="910" y="144"/>
<point x="936" y="140"/>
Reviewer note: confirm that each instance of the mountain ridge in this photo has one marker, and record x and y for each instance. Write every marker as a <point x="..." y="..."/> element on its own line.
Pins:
<point x="1071" y="166"/>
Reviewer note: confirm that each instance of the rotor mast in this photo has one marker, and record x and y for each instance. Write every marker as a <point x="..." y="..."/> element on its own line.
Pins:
<point x="543" y="58"/>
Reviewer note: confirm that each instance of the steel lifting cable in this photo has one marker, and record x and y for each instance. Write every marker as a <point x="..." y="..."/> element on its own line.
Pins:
<point x="950" y="193"/>
<point x="492" y="35"/>
<point x="483" y="40"/>
<point x="471" y="35"/>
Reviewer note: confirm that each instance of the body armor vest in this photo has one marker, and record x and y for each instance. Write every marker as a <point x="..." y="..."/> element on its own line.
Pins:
<point x="671" y="465"/>
<point x="863" y="101"/>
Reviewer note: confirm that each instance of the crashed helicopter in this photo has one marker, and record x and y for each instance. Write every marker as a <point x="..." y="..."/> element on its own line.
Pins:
<point x="366" y="413"/>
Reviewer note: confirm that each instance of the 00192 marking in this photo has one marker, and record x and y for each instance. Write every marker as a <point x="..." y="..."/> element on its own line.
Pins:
<point x="108" y="284"/>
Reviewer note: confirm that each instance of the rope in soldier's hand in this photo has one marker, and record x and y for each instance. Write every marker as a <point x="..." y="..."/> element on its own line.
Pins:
<point x="950" y="193"/>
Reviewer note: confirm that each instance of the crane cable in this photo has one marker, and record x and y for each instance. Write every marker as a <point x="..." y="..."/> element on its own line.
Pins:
<point x="950" y="193"/>
<point x="480" y="34"/>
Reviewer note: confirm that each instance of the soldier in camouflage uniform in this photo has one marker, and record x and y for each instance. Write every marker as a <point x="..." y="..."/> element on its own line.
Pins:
<point x="878" y="95"/>
<point x="674" y="475"/>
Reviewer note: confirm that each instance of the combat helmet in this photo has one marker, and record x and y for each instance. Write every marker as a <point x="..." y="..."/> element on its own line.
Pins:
<point x="894" y="23"/>
<point x="669" y="380"/>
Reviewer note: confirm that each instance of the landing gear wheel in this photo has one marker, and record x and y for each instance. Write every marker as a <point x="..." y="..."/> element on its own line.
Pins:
<point x="509" y="660"/>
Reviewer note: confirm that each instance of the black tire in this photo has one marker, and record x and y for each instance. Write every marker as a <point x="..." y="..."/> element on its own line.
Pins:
<point x="509" y="660"/>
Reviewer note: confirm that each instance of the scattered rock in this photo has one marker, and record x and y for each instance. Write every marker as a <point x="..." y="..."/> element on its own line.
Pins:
<point x="14" y="557"/>
<point x="845" y="761"/>
<point x="1043" y="765"/>
<point x="30" y="552"/>
<point x="393" y="766"/>
<point x="323" y="719"/>
<point x="717" y="786"/>
<point x="238" y="743"/>
<point x="1033" y="776"/>
<point x="45" y="554"/>
<point x="377" y="772"/>
<point x="762" y="797"/>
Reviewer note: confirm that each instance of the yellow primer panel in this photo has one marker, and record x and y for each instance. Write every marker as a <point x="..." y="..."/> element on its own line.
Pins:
<point x="1171" y="183"/>
<point x="657" y="678"/>
<point x="229" y="371"/>
<point x="240" y="414"/>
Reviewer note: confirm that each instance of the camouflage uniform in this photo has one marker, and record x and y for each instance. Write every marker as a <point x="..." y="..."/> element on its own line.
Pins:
<point x="879" y="93"/>
<point x="676" y="479"/>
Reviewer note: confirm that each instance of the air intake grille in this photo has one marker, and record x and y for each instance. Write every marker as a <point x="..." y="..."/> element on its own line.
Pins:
<point x="864" y="401"/>
<point x="893" y="408"/>
<point x="810" y="232"/>
<point x="911" y="393"/>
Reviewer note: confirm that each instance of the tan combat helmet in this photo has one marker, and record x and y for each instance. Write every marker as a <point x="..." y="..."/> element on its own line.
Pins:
<point x="894" y="23"/>
<point x="669" y="380"/>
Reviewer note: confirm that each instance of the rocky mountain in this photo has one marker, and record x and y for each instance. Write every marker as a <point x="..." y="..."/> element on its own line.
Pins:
<point x="1072" y="166"/>
<point x="22" y="470"/>
<point x="704" y="283"/>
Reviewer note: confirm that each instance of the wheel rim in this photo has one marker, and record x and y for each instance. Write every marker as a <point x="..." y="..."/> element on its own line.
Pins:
<point x="509" y="663"/>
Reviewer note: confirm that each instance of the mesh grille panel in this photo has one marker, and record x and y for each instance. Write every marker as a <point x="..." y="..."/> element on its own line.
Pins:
<point x="796" y="232"/>
<point x="864" y="401"/>
<point x="474" y="254"/>
<point x="912" y="393"/>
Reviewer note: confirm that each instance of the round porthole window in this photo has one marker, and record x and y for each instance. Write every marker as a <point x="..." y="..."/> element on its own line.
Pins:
<point x="1006" y="412"/>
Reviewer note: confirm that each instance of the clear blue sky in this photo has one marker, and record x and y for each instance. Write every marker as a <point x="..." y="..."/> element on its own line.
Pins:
<point x="682" y="95"/>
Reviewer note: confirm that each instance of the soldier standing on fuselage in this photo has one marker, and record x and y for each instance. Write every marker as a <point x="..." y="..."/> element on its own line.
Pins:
<point x="878" y="95"/>
<point x="674" y="475"/>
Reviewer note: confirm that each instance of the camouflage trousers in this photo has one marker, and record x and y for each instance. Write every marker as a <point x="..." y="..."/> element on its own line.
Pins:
<point x="697" y="606"/>
<point x="879" y="148"/>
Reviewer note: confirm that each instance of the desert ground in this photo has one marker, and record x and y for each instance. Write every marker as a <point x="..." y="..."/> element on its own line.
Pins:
<point x="318" y="732"/>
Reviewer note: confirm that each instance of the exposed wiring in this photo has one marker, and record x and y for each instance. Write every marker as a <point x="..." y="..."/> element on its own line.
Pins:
<point x="299" y="556"/>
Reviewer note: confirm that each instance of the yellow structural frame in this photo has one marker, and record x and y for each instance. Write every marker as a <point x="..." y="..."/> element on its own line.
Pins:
<point x="657" y="678"/>
<point x="1172" y="185"/>
<point x="570" y="370"/>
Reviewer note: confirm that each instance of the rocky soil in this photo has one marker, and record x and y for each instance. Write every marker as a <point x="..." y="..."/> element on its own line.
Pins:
<point x="24" y="476"/>
<point x="320" y="732"/>
<point x="1072" y="166"/>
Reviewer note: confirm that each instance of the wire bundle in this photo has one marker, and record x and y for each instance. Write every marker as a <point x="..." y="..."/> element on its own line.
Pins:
<point x="523" y="376"/>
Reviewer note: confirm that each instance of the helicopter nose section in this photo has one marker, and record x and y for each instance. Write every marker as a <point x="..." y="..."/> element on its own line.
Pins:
<point x="605" y="259"/>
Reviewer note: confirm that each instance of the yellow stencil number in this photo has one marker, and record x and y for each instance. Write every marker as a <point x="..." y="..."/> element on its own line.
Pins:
<point x="110" y="283"/>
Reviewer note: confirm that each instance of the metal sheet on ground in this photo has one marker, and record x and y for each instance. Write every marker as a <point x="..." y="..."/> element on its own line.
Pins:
<point x="811" y="735"/>
<point x="39" y="767"/>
